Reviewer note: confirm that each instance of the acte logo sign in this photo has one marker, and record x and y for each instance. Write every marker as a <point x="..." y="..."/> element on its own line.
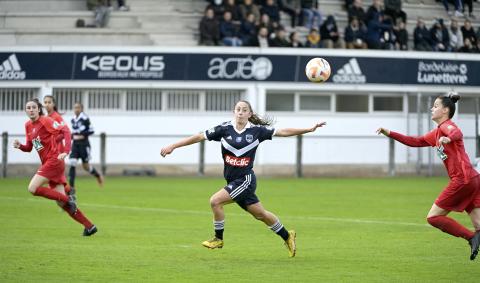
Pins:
<point x="240" y="68"/>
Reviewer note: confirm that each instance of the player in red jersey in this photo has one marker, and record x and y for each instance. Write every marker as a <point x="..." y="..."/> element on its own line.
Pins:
<point x="52" y="111"/>
<point x="41" y="134"/>
<point x="463" y="191"/>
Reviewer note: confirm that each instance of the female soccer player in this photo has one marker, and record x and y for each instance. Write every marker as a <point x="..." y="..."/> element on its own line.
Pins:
<point x="240" y="139"/>
<point x="81" y="146"/>
<point x="41" y="134"/>
<point x="463" y="190"/>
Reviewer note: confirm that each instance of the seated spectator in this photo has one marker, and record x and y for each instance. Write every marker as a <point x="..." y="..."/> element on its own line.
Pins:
<point x="265" y="22"/>
<point x="374" y="9"/>
<point x="468" y="47"/>
<point x="292" y="8"/>
<point x="102" y="14"/>
<point x="455" y="35"/>
<point x="357" y="11"/>
<point x="468" y="32"/>
<point x="393" y="8"/>
<point x="387" y="37"/>
<point x="421" y="37"/>
<point x="228" y="31"/>
<point x="248" y="30"/>
<point x="355" y="34"/>
<point x="92" y="4"/>
<point x="209" y="29"/>
<point x="272" y="10"/>
<point x="348" y="4"/>
<point x="311" y="14"/>
<point x="329" y="34"/>
<point x="280" y="39"/>
<point x="401" y="36"/>
<point x="248" y="7"/>
<point x="375" y="32"/>
<point x="218" y="8"/>
<point x="313" y="39"/>
<point x="262" y="39"/>
<point x="120" y="5"/>
<point x="457" y="4"/>
<point x="439" y="36"/>
<point x="295" y="40"/>
<point x="229" y="5"/>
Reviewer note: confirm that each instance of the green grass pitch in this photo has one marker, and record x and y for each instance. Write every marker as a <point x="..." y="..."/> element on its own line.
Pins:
<point x="150" y="229"/>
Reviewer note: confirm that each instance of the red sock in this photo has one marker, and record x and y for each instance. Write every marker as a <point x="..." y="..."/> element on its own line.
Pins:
<point x="79" y="217"/>
<point x="50" y="194"/>
<point x="450" y="226"/>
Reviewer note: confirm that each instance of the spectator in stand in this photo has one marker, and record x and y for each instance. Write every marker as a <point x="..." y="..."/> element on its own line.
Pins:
<point x="468" y="3"/>
<point x="265" y="22"/>
<point x="313" y="39"/>
<point x="295" y="40"/>
<point x="271" y="9"/>
<point x="218" y="8"/>
<point x="292" y="8"/>
<point x="248" y="30"/>
<point x="357" y="11"/>
<point x="421" y="37"/>
<point x="374" y="10"/>
<point x="355" y="34"/>
<point x="455" y="35"/>
<point x="209" y="29"/>
<point x="468" y="32"/>
<point x="393" y="8"/>
<point x="458" y="6"/>
<point x="468" y="47"/>
<point x="401" y="36"/>
<point x="478" y="36"/>
<point x="262" y="39"/>
<point x="329" y="34"/>
<point x="387" y="37"/>
<point x="311" y="14"/>
<point x="375" y="32"/>
<point x="102" y="14"/>
<point x="120" y="5"/>
<point x="248" y="7"/>
<point x="92" y="4"/>
<point x="229" y="5"/>
<point x="439" y="36"/>
<point x="228" y="31"/>
<point x="280" y="39"/>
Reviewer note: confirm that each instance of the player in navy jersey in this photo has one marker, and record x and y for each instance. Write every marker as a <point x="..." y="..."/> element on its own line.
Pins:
<point x="240" y="139"/>
<point x="81" y="130"/>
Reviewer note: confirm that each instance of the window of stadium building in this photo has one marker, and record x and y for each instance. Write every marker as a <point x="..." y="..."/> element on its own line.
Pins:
<point x="468" y="105"/>
<point x="13" y="99"/>
<point x="105" y="99"/>
<point x="67" y="97"/>
<point x="425" y="103"/>
<point x="314" y="102"/>
<point x="280" y="102"/>
<point x="351" y="103"/>
<point x="387" y="103"/>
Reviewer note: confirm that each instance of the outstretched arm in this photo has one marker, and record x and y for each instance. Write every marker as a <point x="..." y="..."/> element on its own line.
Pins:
<point x="287" y="132"/>
<point x="184" y="142"/>
<point x="406" y="140"/>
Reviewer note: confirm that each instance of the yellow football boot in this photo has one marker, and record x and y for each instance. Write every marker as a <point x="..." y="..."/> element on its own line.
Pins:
<point x="290" y="243"/>
<point x="213" y="243"/>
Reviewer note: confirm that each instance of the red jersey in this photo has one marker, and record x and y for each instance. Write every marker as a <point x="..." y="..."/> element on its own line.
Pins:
<point x="42" y="135"/>
<point x="60" y="137"/>
<point x="453" y="154"/>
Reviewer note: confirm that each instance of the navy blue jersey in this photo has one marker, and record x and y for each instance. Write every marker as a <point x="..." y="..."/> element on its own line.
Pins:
<point x="238" y="148"/>
<point x="81" y="126"/>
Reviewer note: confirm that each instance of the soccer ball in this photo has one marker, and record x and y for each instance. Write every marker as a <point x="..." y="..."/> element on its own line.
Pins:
<point x="318" y="70"/>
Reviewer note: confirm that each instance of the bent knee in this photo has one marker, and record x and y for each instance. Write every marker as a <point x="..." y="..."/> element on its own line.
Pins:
<point x="214" y="202"/>
<point x="32" y="189"/>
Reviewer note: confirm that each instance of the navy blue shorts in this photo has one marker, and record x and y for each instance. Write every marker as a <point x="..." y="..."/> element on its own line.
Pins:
<point x="81" y="151"/>
<point x="242" y="190"/>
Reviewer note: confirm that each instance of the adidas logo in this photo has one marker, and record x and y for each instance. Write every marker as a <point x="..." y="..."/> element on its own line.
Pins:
<point x="11" y="70"/>
<point x="350" y="73"/>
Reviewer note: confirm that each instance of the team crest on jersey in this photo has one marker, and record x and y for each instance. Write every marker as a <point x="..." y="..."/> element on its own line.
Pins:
<point x="249" y="138"/>
<point x="56" y="125"/>
<point x="238" y="139"/>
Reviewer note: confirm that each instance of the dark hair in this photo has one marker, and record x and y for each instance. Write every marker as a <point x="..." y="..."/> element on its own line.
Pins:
<point x="54" y="102"/>
<point x="255" y="119"/>
<point x="79" y="103"/>
<point x="449" y="100"/>
<point x="39" y="105"/>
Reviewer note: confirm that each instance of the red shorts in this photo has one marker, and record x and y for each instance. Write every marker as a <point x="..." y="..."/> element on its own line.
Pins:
<point x="54" y="171"/>
<point x="460" y="197"/>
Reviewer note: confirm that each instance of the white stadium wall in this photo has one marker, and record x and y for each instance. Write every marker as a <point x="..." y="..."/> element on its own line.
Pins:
<point x="348" y="139"/>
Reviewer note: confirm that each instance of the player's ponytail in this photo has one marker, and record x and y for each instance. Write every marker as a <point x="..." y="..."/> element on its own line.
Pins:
<point x="39" y="105"/>
<point x="255" y="119"/>
<point x="449" y="100"/>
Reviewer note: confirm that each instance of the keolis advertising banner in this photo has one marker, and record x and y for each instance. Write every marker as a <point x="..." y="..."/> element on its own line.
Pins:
<point x="232" y="67"/>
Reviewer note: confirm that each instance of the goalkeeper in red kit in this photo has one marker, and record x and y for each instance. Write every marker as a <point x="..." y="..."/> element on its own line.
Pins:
<point x="463" y="191"/>
<point x="41" y="134"/>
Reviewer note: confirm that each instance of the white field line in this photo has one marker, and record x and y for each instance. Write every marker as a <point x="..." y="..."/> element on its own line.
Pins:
<point x="197" y="212"/>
